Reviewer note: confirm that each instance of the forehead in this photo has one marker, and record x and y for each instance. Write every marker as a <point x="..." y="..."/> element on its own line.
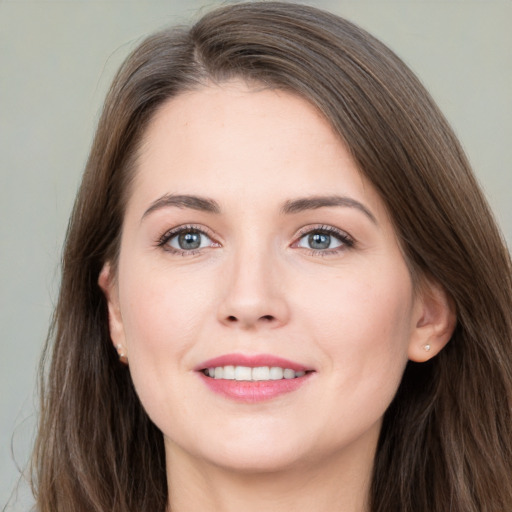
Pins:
<point x="246" y="113"/>
<point x="239" y="141"/>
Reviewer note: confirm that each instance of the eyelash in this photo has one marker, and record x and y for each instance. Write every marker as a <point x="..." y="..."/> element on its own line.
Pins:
<point x="347" y="242"/>
<point x="169" y="235"/>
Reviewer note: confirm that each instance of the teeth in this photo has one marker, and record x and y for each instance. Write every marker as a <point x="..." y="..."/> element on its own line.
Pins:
<point x="228" y="372"/>
<point x="252" y="374"/>
<point x="276" y="373"/>
<point x="243" y="373"/>
<point x="289" y="374"/>
<point x="261" y="373"/>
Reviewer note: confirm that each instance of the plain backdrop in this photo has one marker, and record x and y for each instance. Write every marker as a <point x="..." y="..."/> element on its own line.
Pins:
<point x="57" y="59"/>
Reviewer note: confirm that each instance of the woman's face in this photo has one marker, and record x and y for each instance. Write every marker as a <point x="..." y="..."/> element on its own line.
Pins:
<point x="251" y="240"/>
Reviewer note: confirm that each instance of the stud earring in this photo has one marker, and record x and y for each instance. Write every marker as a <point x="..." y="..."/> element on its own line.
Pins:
<point x="427" y="348"/>
<point x="122" y="354"/>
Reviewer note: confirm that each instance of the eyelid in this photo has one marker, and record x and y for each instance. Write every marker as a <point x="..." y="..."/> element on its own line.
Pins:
<point x="171" y="233"/>
<point x="346" y="239"/>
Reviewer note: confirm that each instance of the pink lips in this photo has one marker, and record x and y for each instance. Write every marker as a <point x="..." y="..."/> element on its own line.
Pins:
<point x="253" y="361"/>
<point x="252" y="391"/>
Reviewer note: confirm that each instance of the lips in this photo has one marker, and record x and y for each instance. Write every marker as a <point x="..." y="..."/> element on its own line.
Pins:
<point x="252" y="378"/>
<point x="251" y="361"/>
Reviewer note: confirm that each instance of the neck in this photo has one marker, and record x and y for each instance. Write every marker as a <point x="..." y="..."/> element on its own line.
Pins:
<point x="198" y="485"/>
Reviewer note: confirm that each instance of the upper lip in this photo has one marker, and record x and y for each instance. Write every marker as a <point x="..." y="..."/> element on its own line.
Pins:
<point x="252" y="361"/>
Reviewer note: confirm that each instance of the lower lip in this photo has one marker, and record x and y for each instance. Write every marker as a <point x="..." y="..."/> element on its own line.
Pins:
<point x="253" y="391"/>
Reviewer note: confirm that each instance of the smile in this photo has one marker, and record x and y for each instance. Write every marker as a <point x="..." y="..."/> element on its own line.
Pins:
<point x="252" y="378"/>
<point x="246" y="373"/>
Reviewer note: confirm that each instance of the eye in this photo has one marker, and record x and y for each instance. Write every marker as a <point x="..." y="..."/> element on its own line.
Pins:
<point x="325" y="239"/>
<point x="186" y="240"/>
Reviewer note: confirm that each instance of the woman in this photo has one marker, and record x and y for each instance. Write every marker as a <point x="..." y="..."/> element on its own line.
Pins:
<point x="282" y="287"/>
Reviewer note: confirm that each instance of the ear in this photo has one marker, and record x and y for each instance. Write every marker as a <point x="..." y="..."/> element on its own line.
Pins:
<point x="435" y="320"/>
<point x="107" y="283"/>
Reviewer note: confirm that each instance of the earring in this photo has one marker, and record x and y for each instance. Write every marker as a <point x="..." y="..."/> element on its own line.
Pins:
<point x="427" y="348"/>
<point x="122" y="354"/>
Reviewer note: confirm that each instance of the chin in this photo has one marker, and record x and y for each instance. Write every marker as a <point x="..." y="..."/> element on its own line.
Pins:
<point x="268" y="459"/>
<point x="251" y="452"/>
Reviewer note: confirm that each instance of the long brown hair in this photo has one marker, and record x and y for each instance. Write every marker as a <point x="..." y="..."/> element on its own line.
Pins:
<point x="446" y="441"/>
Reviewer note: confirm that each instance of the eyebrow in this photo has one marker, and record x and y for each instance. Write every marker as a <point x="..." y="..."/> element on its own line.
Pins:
<point x="203" y="204"/>
<point x="315" y="202"/>
<point x="206" y="204"/>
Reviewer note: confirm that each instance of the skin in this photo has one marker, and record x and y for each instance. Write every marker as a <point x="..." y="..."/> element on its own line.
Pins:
<point x="255" y="286"/>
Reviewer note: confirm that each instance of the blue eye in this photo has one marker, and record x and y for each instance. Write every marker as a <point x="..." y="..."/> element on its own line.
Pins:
<point x="324" y="239"/>
<point x="187" y="239"/>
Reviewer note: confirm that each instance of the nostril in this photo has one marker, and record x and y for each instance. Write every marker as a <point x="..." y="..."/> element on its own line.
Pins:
<point x="266" y="318"/>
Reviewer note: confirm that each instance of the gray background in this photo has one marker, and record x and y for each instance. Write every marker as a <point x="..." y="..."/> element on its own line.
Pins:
<point x="56" y="61"/>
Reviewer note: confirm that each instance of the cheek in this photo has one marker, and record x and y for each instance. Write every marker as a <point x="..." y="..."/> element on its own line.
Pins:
<point x="163" y="318"/>
<point x="362" y="322"/>
<point x="363" y="330"/>
<point x="161" y="311"/>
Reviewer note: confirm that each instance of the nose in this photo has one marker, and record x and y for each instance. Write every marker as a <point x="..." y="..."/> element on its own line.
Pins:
<point x="253" y="294"/>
